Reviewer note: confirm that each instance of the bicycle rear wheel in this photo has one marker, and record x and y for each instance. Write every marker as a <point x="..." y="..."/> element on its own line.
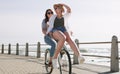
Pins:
<point x="65" y="62"/>
<point x="49" y="69"/>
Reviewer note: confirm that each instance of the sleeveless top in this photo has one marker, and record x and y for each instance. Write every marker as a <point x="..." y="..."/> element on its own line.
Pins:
<point x="59" y="22"/>
<point x="52" y="20"/>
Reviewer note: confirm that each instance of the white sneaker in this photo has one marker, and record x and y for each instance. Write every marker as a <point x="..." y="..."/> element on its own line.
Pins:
<point x="55" y="63"/>
<point x="81" y="59"/>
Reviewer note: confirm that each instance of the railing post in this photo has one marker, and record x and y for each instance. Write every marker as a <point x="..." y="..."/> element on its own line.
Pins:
<point x="38" y="50"/>
<point x="27" y="49"/>
<point x="75" y="58"/>
<point x="9" y="49"/>
<point x="2" y="49"/>
<point x="17" y="49"/>
<point x="114" y="55"/>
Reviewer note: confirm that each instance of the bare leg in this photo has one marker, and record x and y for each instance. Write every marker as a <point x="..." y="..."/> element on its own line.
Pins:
<point x="72" y="44"/>
<point x="50" y="59"/>
<point x="60" y="37"/>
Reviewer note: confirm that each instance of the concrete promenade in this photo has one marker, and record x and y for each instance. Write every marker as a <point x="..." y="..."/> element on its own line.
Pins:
<point x="13" y="64"/>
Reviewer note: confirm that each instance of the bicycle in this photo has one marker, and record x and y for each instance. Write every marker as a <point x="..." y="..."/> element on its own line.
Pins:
<point x="64" y="61"/>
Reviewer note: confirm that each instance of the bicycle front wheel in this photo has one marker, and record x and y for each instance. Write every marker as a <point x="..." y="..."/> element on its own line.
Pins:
<point x="65" y="62"/>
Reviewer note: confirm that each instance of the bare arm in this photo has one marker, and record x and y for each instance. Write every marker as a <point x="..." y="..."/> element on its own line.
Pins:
<point x="67" y="7"/>
<point x="44" y="31"/>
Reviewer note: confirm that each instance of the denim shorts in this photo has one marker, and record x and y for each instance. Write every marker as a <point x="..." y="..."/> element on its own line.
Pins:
<point x="62" y="29"/>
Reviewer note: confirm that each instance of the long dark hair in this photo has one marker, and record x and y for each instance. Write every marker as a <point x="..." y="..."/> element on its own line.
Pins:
<point x="46" y="17"/>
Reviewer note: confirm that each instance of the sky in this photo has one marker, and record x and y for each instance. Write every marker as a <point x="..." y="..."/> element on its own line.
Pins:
<point x="91" y="20"/>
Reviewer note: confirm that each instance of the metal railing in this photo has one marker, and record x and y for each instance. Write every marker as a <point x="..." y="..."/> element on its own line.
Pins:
<point x="27" y="45"/>
<point x="114" y="66"/>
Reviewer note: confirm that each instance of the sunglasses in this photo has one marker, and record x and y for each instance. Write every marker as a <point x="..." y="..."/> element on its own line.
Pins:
<point x="49" y="13"/>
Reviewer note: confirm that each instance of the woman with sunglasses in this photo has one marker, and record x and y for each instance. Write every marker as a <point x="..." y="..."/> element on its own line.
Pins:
<point x="58" y="25"/>
<point x="48" y="37"/>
